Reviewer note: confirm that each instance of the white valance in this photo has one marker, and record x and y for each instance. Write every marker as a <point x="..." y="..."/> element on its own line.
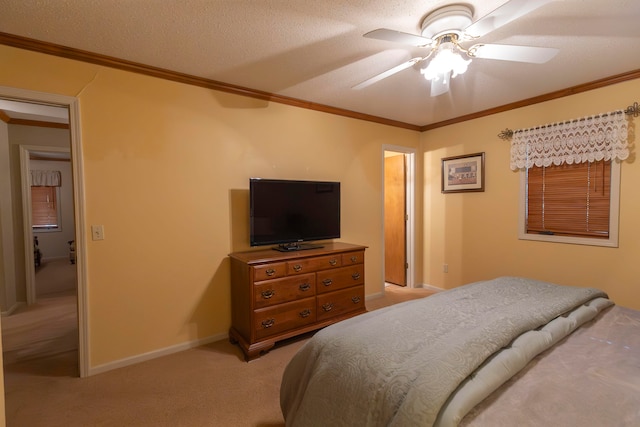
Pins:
<point x="41" y="178"/>
<point x="590" y="139"/>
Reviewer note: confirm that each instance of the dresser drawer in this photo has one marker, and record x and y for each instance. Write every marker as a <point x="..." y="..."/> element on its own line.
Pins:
<point x="333" y="304"/>
<point x="353" y="258"/>
<point x="276" y="291"/>
<point x="344" y="277"/>
<point x="307" y="265"/>
<point x="269" y="271"/>
<point x="284" y="317"/>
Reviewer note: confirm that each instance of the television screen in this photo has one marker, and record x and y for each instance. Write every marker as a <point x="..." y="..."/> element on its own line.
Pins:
<point x="287" y="212"/>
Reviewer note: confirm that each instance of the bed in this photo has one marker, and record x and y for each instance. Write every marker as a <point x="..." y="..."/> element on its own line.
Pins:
<point x="502" y="352"/>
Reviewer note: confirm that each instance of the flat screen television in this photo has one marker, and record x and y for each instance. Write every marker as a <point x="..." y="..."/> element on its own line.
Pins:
<point x="287" y="213"/>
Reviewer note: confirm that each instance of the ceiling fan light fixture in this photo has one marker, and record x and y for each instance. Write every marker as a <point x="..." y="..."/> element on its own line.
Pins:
<point x="447" y="60"/>
<point x="447" y="20"/>
<point x="447" y="29"/>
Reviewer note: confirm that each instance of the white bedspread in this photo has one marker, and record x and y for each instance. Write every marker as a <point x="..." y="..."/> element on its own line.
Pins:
<point x="398" y="366"/>
<point x="590" y="379"/>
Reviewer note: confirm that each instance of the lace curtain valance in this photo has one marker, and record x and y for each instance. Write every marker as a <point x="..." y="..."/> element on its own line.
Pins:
<point x="44" y="178"/>
<point x="602" y="137"/>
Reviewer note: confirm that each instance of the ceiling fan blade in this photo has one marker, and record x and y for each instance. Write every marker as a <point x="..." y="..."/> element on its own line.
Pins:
<point x="506" y="13"/>
<point x="388" y="73"/>
<point x="441" y="85"/>
<point x="504" y="52"/>
<point x="399" y="37"/>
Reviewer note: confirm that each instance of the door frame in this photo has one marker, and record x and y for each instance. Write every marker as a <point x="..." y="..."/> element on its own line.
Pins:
<point x="410" y="176"/>
<point x="77" y="171"/>
<point x="27" y="220"/>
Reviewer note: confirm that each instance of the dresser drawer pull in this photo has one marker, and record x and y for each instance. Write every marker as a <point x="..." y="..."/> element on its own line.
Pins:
<point x="305" y="287"/>
<point x="305" y="313"/>
<point x="297" y="267"/>
<point x="355" y="300"/>
<point x="333" y="262"/>
<point x="270" y="272"/>
<point x="355" y="276"/>
<point x="268" y="323"/>
<point x="327" y="282"/>
<point x="327" y="307"/>
<point x="268" y="294"/>
<point x="354" y="258"/>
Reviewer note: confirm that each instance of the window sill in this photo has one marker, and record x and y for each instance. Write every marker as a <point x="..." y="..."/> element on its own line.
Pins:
<point x="609" y="243"/>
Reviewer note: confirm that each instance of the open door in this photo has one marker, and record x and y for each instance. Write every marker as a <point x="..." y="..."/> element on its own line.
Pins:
<point x="395" y="219"/>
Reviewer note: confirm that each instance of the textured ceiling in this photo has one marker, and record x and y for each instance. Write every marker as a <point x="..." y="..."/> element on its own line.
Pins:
<point x="314" y="50"/>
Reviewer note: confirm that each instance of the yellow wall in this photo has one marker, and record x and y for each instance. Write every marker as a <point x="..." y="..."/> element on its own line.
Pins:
<point x="476" y="233"/>
<point x="166" y="169"/>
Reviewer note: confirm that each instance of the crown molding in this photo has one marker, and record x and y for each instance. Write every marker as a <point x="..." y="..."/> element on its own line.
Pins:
<point x="618" y="78"/>
<point x="121" y="64"/>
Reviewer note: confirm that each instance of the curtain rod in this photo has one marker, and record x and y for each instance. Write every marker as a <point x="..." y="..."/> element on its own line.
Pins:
<point x="631" y="110"/>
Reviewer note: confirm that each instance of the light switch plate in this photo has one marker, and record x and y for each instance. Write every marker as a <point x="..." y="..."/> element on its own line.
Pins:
<point x="97" y="232"/>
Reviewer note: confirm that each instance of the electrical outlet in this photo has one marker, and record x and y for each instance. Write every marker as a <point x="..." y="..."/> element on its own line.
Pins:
<point x="97" y="232"/>
<point x="445" y="268"/>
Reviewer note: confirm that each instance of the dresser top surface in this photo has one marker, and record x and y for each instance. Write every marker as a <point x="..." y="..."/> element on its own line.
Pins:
<point x="271" y="255"/>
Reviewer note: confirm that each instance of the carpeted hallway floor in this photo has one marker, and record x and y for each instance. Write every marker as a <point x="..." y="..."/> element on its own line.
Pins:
<point x="210" y="385"/>
<point x="50" y="326"/>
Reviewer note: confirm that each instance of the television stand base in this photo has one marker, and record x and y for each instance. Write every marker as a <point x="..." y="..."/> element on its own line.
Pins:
<point x="288" y="247"/>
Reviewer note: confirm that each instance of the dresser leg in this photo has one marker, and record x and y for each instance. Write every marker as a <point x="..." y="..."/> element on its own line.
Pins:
<point x="257" y="350"/>
<point x="251" y="351"/>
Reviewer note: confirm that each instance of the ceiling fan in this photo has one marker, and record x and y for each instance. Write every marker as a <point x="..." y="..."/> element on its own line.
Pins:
<point x="445" y="32"/>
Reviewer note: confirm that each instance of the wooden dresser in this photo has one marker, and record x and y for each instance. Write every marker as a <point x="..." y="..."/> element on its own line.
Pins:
<point x="278" y="295"/>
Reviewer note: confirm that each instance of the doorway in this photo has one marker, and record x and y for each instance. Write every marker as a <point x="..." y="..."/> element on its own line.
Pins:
<point x="23" y="249"/>
<point x="398" y="238"/>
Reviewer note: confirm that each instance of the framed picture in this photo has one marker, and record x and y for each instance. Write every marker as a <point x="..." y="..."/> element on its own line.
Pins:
<point x="463" y="173"/>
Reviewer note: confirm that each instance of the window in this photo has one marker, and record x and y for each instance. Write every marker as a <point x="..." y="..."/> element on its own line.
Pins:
<point x="576" y="203"/>
<point x="45" y="215"/>
<point x="570" y="179"/>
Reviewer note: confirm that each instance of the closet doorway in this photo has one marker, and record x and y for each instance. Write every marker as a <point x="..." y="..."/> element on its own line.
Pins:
<point x="398" y="189"/>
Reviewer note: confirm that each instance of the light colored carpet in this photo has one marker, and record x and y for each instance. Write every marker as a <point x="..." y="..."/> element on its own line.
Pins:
<point x="50" y="326"/>
<point x="55" y="276"/>
<point x="210" y="385"/>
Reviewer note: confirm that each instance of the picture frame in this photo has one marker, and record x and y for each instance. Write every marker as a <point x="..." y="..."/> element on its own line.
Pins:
<point x="461" y="174"/>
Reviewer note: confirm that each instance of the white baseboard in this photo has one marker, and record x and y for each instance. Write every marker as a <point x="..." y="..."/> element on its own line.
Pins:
<point x="154" y="354"/>
<point x="373" y="296"/>
<point x="192" y="344"/>
<point x="433" y="288"/>
<point x="13" y="308"/>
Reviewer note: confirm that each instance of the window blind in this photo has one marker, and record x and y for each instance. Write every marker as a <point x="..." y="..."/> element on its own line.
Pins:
<point x="569" y="200"/>
<point x="44" y="207"/>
